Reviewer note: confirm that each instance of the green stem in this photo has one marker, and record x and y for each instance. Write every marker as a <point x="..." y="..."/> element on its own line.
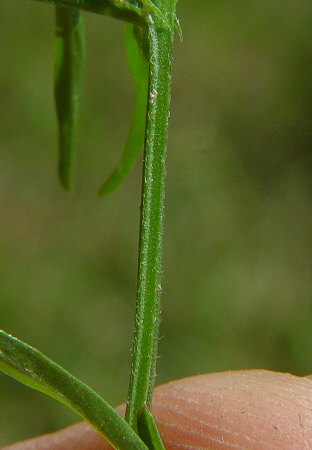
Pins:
<point x="123" y="11"/>
<point x="150" y="252"/>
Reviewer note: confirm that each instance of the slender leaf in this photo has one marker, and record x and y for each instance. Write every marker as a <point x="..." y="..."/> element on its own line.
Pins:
<point x="148" y="431"/>
<point x="32" y="368"/>
<point x="178" y="27"/>
<point x="69" y="62"/>
<point x="136" y="46"/>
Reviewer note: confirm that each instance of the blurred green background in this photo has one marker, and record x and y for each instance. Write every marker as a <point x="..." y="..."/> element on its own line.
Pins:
<point x="237" y="271"/>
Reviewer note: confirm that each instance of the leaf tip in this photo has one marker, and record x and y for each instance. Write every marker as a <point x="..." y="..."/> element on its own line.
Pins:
<point x="66" y="180"/>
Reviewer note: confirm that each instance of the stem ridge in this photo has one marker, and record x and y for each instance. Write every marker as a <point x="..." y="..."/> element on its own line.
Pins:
<point x="145" y="345"/>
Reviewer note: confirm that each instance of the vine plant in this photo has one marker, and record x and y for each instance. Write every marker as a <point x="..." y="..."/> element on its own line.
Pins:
<point x="150" y="32"/>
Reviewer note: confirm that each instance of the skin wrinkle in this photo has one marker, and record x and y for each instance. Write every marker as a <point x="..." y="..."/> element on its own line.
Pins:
<point x="245" y="390"/>
<point x="208" y="439"/>
<point x="253" y="375"/>
<point x="203" y="422"/>
<point x="237" y="400"/>
<point x="216" y="416"/>
<point x="210" y="426"/>
<point x="204" y="437"/>
<point x="274" y="403"/>
<point x="213" y="426"/>
<point x="189" y="446"/>
<point x="183" y="447"/>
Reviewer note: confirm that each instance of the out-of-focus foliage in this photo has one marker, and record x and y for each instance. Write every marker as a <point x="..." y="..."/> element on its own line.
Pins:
<point x="237" y="276"/>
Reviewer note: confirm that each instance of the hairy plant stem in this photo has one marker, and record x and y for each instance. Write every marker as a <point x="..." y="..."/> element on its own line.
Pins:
<point x="151" y="230"/>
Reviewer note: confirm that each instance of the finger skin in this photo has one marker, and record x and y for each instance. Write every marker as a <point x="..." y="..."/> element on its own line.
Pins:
<point x="251" y="410"/>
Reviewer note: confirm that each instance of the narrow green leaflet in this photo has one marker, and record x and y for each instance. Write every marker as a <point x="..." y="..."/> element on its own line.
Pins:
<point x="144" y="7"/>
<point x="136" y="46"/>
<point x="148" y="431"/>
<point x="178" y="27"/>
<point x="32" y="368"/>
<point x="69" y="62"/>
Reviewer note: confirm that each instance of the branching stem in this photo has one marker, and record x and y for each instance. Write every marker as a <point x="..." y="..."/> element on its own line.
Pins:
<point x="104" y="7"/>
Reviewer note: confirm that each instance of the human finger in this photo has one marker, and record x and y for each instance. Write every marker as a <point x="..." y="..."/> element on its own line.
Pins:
<point x="252" y="410"/>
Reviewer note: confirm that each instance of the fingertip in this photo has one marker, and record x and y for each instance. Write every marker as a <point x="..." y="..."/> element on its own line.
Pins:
<point x="248" y="410"/>
<point x="254" y="410"/>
